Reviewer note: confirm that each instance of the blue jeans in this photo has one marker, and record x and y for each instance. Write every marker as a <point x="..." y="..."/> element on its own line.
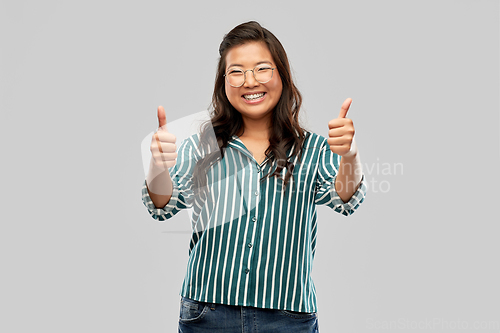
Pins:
<point x="201" y="317"/>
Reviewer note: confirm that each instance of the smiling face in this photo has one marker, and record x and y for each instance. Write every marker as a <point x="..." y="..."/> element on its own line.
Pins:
<point x="257" y="107"/>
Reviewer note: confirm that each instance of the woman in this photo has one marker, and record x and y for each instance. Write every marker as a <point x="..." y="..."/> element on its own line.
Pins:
<point x="253" y="185"/>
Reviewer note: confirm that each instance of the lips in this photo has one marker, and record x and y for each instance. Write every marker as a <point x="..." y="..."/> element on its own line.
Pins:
<point x="253" y="97"/>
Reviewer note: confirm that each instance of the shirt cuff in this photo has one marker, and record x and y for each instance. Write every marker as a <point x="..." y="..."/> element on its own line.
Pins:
<point x="349" y="207"/>
<point x="167" y="211"/>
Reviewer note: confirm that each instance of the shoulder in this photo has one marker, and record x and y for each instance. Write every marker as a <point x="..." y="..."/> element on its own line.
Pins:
<point x="200" y="145"/>
<point x="189" y="146"/>
<point x="190" y="141"/>
<point x="313" y="140"/>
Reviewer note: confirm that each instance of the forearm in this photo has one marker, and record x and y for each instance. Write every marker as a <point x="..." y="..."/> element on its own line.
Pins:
<point x="349" y="175"/>
<point x="159" y="185"/>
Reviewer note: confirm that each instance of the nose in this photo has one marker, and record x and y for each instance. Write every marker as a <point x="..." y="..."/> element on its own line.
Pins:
<point x="250" y="79"/>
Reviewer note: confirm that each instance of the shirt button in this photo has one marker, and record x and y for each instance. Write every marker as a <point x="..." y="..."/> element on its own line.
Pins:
<point x="254" y="219"/>
<point x="247" y="270"/>
<point x="249" y="244"/>
<point x="256" y="192"/>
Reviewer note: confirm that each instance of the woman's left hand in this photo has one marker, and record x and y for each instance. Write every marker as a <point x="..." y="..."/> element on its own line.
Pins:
<point x="341" y="133"/>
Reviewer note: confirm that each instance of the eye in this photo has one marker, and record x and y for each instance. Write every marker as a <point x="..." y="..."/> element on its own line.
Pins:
<point x="235" y="72"/>
<point x="263" y="69"/>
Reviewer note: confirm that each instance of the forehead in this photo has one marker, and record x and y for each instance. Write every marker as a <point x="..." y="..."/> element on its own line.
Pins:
<point x="248" y="54"/>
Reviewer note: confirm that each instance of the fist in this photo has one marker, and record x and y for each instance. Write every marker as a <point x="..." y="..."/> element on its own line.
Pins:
<point x="163" y="148"/>
<point x="341" y="132"/>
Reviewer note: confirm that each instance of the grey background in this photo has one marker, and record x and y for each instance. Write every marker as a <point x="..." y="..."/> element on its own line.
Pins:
<point x="79" y="86"/>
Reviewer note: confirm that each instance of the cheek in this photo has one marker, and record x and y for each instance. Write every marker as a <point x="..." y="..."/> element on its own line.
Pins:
<point x="277" y="85"/>
<point x="278" y="88"/>
<point x="229" y="92"/>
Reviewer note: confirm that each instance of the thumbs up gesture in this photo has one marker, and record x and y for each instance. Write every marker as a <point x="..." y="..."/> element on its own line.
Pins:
<point x="341" y="133"/>
<point x="163" y="148"/>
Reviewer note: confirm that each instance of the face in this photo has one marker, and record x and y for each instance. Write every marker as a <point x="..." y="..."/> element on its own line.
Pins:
<point x="246" y="57"/>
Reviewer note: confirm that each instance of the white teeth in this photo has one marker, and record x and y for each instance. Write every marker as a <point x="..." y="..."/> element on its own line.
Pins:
<point x="253" y="96"/>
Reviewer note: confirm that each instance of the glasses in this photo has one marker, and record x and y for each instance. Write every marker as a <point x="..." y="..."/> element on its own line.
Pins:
<point x="237" y="77"/>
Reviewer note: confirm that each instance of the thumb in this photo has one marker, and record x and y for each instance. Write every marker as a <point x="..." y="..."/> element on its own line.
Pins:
<point x="162" y="119"/>
<point x="345" y="107"/>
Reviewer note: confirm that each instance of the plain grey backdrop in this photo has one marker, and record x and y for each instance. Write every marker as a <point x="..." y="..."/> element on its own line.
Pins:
<point x="80" y="82"/>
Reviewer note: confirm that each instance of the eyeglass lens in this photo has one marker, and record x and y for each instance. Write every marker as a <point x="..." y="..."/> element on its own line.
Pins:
<point x="262" y="74"/>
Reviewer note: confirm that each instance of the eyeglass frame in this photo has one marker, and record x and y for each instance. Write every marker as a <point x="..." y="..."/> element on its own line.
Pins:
<point x="245" y="76"/>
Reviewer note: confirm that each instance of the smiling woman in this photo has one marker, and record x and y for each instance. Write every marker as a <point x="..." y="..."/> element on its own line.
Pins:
<point x="254" y="187"/>
<point x="267" y="126"/>
<point x="254" y="99"/>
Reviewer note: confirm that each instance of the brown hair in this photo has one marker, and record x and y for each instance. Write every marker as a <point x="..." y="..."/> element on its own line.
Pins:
<point x="226" y="121"/>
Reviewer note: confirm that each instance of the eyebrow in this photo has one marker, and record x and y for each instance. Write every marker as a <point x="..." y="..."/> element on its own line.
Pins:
<point x="260" y="62"/>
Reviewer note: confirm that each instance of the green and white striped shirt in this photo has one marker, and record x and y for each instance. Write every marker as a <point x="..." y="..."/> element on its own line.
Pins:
<point x="253" y="244"/>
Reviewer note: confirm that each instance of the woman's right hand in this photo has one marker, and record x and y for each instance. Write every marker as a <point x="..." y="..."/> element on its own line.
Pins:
<point x="163" y="148"/>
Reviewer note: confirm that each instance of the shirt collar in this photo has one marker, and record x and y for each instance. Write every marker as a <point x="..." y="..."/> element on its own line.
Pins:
<point x="236" y="142"/>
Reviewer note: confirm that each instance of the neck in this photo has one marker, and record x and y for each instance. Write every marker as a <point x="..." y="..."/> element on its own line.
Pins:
<point x="255" y="129"/>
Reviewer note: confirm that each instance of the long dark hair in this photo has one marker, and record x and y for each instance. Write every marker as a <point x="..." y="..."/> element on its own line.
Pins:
<point x="226" y="121"/>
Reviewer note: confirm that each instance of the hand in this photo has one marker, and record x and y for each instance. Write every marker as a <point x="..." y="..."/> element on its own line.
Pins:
<point x="163" y="146"/>
<point x="341" y="133"/>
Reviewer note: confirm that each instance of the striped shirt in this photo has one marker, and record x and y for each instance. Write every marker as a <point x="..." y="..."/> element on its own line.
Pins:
<point x="253" y="244"/>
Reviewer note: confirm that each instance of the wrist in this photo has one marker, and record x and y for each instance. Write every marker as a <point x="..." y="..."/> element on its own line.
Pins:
<point x="353" y="152"/>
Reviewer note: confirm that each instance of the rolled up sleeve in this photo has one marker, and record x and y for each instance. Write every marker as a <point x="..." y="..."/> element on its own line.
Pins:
<point x="325" y="193"/>
<point x="182" y="192"/>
